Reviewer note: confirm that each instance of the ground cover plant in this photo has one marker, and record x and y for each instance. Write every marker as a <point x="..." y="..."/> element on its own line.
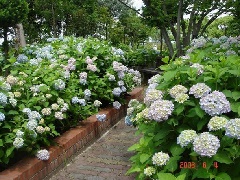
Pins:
<point x="190" y="117"/>
<point x="50" y="87"/>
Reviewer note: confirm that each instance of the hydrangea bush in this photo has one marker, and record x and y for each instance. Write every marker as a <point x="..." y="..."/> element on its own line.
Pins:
<point x="189" y="119"/>
<point x="53" y="86"/>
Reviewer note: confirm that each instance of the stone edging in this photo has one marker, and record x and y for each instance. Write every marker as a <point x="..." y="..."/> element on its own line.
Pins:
<point x="68" y="144"/>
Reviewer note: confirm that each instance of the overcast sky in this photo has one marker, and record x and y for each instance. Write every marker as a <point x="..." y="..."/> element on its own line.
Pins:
<point x="137" y="4"/>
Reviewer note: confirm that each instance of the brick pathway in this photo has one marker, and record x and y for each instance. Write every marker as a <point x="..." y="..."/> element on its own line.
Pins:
<point x="106" y="159"/>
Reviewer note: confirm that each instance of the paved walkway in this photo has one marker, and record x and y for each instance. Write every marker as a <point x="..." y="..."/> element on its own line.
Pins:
<point x="106" y="159"/>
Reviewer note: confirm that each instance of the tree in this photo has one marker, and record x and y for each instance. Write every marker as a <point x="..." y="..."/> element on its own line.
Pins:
<point x="12" y="12"/>
<point x="169" y="15"/>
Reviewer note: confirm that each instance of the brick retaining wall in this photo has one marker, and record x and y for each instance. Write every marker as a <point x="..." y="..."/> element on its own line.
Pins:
<point x="69" y="143"/>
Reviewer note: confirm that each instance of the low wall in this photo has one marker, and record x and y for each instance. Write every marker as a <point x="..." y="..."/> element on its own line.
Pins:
<point x="69" y="143"/>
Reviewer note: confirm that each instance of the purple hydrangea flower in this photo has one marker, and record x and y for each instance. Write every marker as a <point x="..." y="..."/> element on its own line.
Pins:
<point x="101" y="117"/>
<point x="199" y="90"/>
<point x="215" y="103"/>
<point x="206" y="144"/>
<point x="117" y="91"/>
<point x="43" y="155"/>
<point x="116" y="105"/>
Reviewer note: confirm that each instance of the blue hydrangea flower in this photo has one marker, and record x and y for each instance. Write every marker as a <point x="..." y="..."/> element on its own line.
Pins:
<point x="116" y="105"/>
<point x="3" y="99"/>
<point x="206" y="144"/>
<point x="22" y="58"/>
<point x="43" y="155"/>
<point x="87" y="93"/>
<point x="59" y="84"/>
<point x="75" y="100"/>
<point x="215" y="103"/>
<point x="82" y="102"/>
<point x="233" y="128"/>
<point x="2" y="117"/>
<point x="117" y="91"/>
<point x="128" y="121"/>
<point x="120" y="83"/>
<point x="186" y="137"/>
<point x="101" y="117"/>
<point x="32" y="124"/>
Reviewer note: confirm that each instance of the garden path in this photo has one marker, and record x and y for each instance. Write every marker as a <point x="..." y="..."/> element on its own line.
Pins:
<point x="106" y="159"/>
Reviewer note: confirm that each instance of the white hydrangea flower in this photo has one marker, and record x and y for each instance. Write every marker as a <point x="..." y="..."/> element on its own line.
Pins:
<point x="18" y="142"/>
<point x="186" y="137"/>
<point x="233" y="128"/>
<point x="160" y="158"/>
<point x="149" y="171"/>
<point x="217" y="123"/>
<point x="176" y="90"/>
<point x="181" y="98"/>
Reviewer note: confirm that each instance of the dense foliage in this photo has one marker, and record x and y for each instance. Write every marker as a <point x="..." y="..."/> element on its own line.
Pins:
<point x="54" y="85"/>
<point x="189" y="119"/>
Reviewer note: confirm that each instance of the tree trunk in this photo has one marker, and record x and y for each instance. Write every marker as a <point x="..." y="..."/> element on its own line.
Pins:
<point x="167" y="41"/>
<point x="178" y="39"/>
<point x="5" y="42"/>
<point x="54" y="22"/>
<point x="21" y="42"/>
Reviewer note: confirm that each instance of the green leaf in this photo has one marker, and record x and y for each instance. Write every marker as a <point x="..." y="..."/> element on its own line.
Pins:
<point x="172" y="164"/>
<point x="144" y="158"/>
<point x="235" y="106"/>
<point x="133" y="169"/>
<point x="208" y="78"/>
<point x="222" y="158"/>
<point x="181" y="177"/>
<point x="227" y="93"/>
<point x="236" y="95"/>
<point x="222" y="176"/>
<point x="43" y="88"/>
<point x="200" y="173"/>
<point x="169" y="75"/>
<point x="166" y="176"/>
<point x="1" y="142"/>
<point x="162" y="134"/>
<point x="1" y="153"/>
<point x="179" y="109"/>
<point x="38" y="108"/>
<point x="9" y="151"/>
<point x="176" y="150"/>
<point x="12" y="112"/>
<point x="199" y="111"/>
<point x="134" y="147"/>
<point x="200" y="124"/>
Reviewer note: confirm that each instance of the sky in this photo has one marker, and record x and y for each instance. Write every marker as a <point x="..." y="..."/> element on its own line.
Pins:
<point x="137" y="3"/>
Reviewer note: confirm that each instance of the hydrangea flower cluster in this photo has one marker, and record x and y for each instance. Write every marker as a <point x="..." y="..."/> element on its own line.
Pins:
<point x="97" y="103"/>
<point x="18" y="142"/>
<point x="217" y="123"/>
<point x="87" y="93"/>
<point x="111" y="77"/>
<point x="206" y="144"/>
<point x="59" y="84"/>
<point x="149" y="171"/>
<point x="151" y="86"/>
<point x="2" y="117"/>
<point x="58" y="115"/>
<point x="5" y="86"/>
<point x="199" y="90"/>
<point x="101" y="117"/>
<point x="233" y="128"/>
<point x="43" y="155"/>
<point x="160" y="158"/>
<point x="117" y="105"/>
<point x="199" y="68"/>
<point x="186" y="137"/>
<point x="22" y="58"/>
<point x="154" y="79"/>
<point x="176" y="90"/>
<point x="128" y="120"/>
<point x="198" y="43"/>
<point x="92" y="67"/>
<point x="152" y="95"/>
<point x="181" y="98"/>
<point x="11" y="80"/>
<point x="83" y="78"/>
<point x="71" y="65"/>
<point x="215" y="103"/>
<point x="76" y="100"/>
<point x="117" y="91"/>
<point x="40" y="129"/>
<point x="19" y="133"/>
<point x="160" y="110"/>
<point x="3" y="99"/>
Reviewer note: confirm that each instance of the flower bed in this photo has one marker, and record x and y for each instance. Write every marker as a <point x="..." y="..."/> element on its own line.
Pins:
<point x="68" y="144"/>
<point x="51" y="87"/>
<point x="190" y="116"/>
